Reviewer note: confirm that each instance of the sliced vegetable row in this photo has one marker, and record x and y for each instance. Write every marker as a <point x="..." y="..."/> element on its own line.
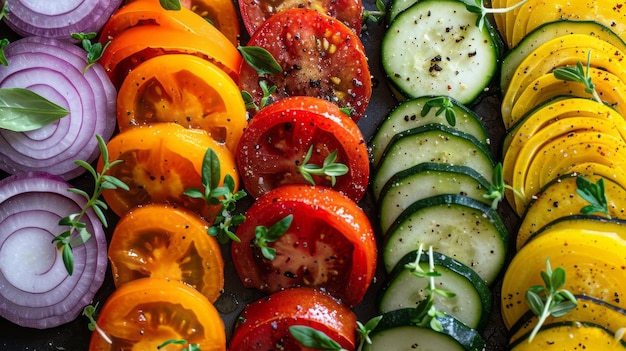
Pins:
<point x="563" y="157"/>
<point x="432" y="172"/>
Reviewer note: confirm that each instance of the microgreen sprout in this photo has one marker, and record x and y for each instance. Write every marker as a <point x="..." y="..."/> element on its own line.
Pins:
<point x="443" y="105"/>
<point x="478" y="6"/>
<point x="329" y="168"/>
<point x="496" y="189"/>
<point x="3" y="44"/>
<point x="77" y="234"/>
<point x="427" y="311"/>
<point x="263" y="63"/>
<point x="264" y="235"/>
<point x="594" y="194"/>
<point x="90" y="312"/>
<point x="578" y="74"/>
<point x="364" y="330"/>
<point x="173" y="5"/>
<point x="94" y="50"/>
<point x="215" y="195"/>
<point x="313" y="338"/>
<point x="4" y="11"/>
<point x="550" y="299"/>
<point x="375" y="15"/>
<point x="190" y="347"/>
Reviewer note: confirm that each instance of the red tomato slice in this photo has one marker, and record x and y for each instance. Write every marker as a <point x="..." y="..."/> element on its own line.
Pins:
<point x="320" y="57"/>
<point x="255" y="12"/>
<point x="264" y="323"/>
<point x="277" y="139"/>
<point x="330" y="243"/>
<point x="145" y="313"/>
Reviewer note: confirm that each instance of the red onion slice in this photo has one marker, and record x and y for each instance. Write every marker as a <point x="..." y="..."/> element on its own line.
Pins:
<point x="59" y="18"/>
<point x="53" y="69"/>
<point x="35" y="289"/>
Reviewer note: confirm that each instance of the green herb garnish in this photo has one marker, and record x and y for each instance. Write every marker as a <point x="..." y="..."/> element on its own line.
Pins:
<point x="90" y="312"/>
<point x="478" y="7"/>
<point x="427" y="311"/>
<point x="190" y="347"/>
<point x="94" y="50"/>
<point x="364" y="330"/>
<point x="263" y="236"/>
<point x="496" y="189"/>
<point x="443" y="105"/>
<point x="173" y="5"/>
<point x="3" y="44"/>
<point x="22" y="110"/>
<point x="216" y="195"/>
<point x="329" y="168"/>
<point x="579" y="74"/>
<point x="594" y="194"/>
<point x="77" y="234"/>
<point x="313" y="338"/>
<point x="374" y="16"/>
<point x="263" y="63"/>
<point x="551" y="299"/>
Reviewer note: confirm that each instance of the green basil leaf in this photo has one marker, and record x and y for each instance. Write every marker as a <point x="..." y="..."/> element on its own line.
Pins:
<point x="313" y="338"/>
<point x="22" y="110"/>
<point x="260" y="59"/>
<point x="171" y="4"/>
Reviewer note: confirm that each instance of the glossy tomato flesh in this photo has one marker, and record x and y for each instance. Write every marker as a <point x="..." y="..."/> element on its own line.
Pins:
<point x="319" y="56"/>
<point x="264" y="324"/>
<point x="330" y="243"/>
<point x="277" y="139"/>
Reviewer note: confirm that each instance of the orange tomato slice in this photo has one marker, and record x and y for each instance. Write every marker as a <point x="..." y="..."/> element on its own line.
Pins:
<point x="145" y="313"/>
<point x="223" y="15"/>
<point x="184" y="89"/>
<point x="137" y="44"/>
<point x="166" y="242"/>
<point x="160" y="162"/>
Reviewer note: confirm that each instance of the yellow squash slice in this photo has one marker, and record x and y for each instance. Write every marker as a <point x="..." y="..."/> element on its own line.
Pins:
<point x="589" y="310"/>
<point x="534" y="13"/>
<point x="558" y="199"/>
<point x="570" y="336"/>
<point x="595" y="265"/>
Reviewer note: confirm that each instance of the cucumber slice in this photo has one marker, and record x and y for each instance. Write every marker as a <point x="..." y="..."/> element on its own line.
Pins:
<point x="426" y="180"/>
<point x="407" y="115"/>
<point x="454" y="225"/>
<point x="551" y="30"/>
<point x="397" y="331"/>
<point x="470" y="305"/>
<point x="431" y="143"/>
<point x="435" y="48"/>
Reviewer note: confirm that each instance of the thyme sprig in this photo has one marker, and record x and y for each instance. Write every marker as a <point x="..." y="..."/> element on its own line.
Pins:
<point x="264" y="236"/>
<point x="263" y="63"/>
<point x="223" y="196"/>
<point x="190" y="347"/>
<point x="496" y="189"/>
<point x="77" y="234"/>
<point x="478" y="7"/>
<point x="94" y="50"/>
<point x="579" y="74"/>
<point x="551" y="299"/>
<point x="374" y="15"/>
<point x="594" y="194"/>
<point x="329" y="167"/>
<point x="444" y="105"/>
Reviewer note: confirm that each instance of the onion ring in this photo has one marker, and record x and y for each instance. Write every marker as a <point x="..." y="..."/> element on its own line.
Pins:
<point x="53" y="69"/>
<point x="35" y="289"/>
<point x="59" y="19"/>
